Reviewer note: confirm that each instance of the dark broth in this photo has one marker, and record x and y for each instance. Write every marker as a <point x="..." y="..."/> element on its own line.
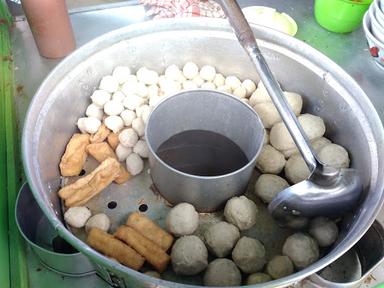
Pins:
<point x="202" y="153"/>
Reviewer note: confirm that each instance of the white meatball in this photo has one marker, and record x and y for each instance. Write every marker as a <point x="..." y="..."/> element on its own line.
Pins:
<point x="324" y="231"/>
<point x="268" y="186"/>
<point x="190" y="70"/>
<point x="189" y="85"/>
<point x="132" y="102"/>
<point x="208" y="86"/>
<point x="113" y="108"/>
<point x="312" y="125"/>
<point x="182" y="219"/>
<point x="153" y="274"/>
<point x="169" y="87"/>
<point x="77" y="216"/>
<point x="266" y="137"/>
<point x="334" y="155"/>
<point x="122" y="152"/>
<point x="94" y="111"/>
<point x="109" y="84"/>
<point x="225" y="88"/>
<point x="241" y="212"/>
<point x="134" y="164"/>
<point x="260" y="95"/>
<point x="129" y="88"/>
<point x="270" y="160"/>
<point x="118" y="96"/>
<point x="317" y="144"/>
<point x="114" y="123"/>
<point x="128" y="116"/>
<point x="249" y="255"/>
<point x="148" y="77"/>
<point x="207" y="73"/>
<point x="141" y="90"/>
<point x="249" y="86"/>
<point x="257" y="278"/>
<point x="139" y="126"/>
<point x="233" y="82"/>
<point x="88" y="124"/>
<point x="301" y="249"/>
<point x="189" y="255"/>
<point x="100" y="97"/>
<point x="219" y="80"/>
<point x="222" y="272"/>
<point x="245" y="100"/>
<point x="131" y="79"/>
<point x="269" y="114"/>
<point x="100" y="221"/>
<point x="198" y="81"/>
<point x="154" y="100"/>
<point x="141" y="109"/>
<point x="141" y="148"/>
<point x="296" y="170"/>
<point x="240" y="92"/>
<point x="121" y="73"/>
<point x="279" y="267"/>
<point x="220" y="238"/>
<point x="153" y="90"/>
<point x="145" y="116"/>
<point x="128" y="137"/>
<point x="173" y="72"/>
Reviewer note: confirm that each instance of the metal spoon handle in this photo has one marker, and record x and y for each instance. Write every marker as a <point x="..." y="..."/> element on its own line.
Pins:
<point x="247" y="40"/>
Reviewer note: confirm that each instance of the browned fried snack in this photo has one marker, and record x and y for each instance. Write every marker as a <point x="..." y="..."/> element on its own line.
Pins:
<point x="79" y="192"/>
<point x="145" y="247"/>
<point x="101" y="134"/>
<point x="101" y="151"/>
<point x="150" y="230"/>
<point x="72" y="162"/>
<point x="113" y="140"/>
<point x="110" y="246"/>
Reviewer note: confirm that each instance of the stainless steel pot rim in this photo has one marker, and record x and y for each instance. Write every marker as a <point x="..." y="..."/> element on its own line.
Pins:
<point x="134" y="30"/>
<point x="250" y="161"/>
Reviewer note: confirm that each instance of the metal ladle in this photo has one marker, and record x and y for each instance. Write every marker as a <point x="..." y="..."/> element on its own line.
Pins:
<point x="327" y="191"/>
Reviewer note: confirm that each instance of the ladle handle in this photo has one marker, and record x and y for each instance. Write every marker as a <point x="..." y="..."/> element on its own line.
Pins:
<point x="247" y="40"/>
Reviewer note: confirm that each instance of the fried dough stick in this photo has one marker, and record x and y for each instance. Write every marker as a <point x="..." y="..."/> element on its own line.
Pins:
<point x="75" y="154"/>
<point x="101" y="134"/>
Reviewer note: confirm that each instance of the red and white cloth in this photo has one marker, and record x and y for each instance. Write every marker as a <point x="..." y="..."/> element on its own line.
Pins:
<point x="182" y="8"/>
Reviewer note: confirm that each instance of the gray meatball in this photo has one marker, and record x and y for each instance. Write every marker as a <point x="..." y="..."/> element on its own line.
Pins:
<point x="334" y="155"/>
<point x="189" y="255"/>
<point x="270" y="160"/>
<point x="301" y="249"/>
<point x="325" y="231"/>
<point x="268" y="186"/>
<point x="221" y="237"/>
<point x="222" y="272"/>
<point x="249" y="255"/>
<point x="256" y="278"/>
<point x="279" y="267"/>
<point x="241" y="212"/>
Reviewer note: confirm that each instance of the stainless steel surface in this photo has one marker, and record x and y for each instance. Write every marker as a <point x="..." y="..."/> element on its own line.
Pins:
<point x="203" y="110"/>
<point x="351" y="269"/>
<point x="327" y="191"/>
<point x="64" y="95"/>
<point x="38" y="232"/>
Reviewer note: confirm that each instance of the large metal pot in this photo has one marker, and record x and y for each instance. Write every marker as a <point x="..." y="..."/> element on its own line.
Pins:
<point x="329" y="92"/>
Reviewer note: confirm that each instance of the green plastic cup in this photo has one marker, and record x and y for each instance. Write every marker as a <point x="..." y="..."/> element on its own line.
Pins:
<point x="340" y="16"/>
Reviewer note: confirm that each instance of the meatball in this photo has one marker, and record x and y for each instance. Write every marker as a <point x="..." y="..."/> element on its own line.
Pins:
<point x="182" y="219"/>
<point x="249" y="255"/>
<point x="221" y="237"/>
<point x="241" y="212"/>
<point x="334" y="155"/>
<point x="257" y="278"/>
<point x="324" y="231"/>
<point x="77" y="216"/>
<point x="279" y="267"/>
<point x="268" y="186"/>
<point x="189" y="255"/>
<point x="100" y="221"/>
<point x="301" y="249"/>
<point x="222" y="272"/>
<point x="270" y="160"/>
<point x="296" y="169"/>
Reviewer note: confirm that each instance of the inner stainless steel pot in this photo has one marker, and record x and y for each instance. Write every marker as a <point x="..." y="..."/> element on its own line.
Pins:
<point x="328" y="92"/>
